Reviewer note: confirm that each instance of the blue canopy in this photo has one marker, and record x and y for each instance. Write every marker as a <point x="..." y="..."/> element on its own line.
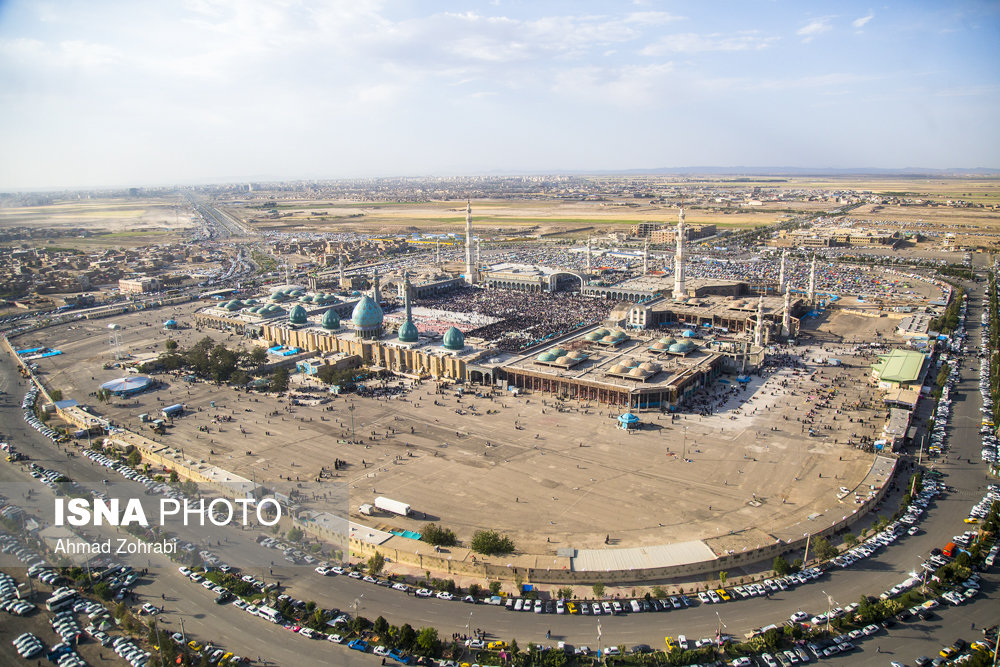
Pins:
<point x="628" y="418"/>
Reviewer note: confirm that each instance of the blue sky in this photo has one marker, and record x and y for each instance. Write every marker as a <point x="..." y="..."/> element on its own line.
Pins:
<point x="103" y="92"/>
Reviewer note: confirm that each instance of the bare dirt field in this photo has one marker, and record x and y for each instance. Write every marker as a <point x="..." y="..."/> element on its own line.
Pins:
<point x="107" y="222"/>
<point x="521" y="216"/>
<point x="551" y="474"/>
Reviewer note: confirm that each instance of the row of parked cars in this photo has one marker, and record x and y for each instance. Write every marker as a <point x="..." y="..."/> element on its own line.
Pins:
<point x="987" y="431"/>
<point x="28" y="406"/>
<point x="10" y="597"/>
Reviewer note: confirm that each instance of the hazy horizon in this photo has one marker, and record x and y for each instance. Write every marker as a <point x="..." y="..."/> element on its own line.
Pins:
<point x="114" y="93"/>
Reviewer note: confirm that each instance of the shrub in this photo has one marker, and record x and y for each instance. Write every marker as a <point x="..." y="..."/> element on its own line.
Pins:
<point x="491" y="543"/>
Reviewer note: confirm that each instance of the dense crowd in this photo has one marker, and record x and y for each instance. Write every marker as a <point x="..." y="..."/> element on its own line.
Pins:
<point x="526" y="318"/>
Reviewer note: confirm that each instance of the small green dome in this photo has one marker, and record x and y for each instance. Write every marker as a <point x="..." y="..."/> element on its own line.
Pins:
<point x="330" y="320"/>
<point x="453" y="339"/>
<point x="408" y="332"/>
<point x="545" y="357"/>
<point x="297" y="315"/>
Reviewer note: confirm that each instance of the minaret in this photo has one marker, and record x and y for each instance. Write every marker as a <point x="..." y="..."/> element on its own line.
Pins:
<point x="781" y="274"/>
<point x="589" y="266"/>
<point x="340" y="266"/>
<point x="408" y="315"/>
<point x="812" y="283"/>
<point x="679" y="258"/>
<point x="437" y="252"/>
<point x="645" y="258"/>
<point x="758" y="334"/>
<point x="786" y="318"/>
<point x="376" y="293"/>
<point x="470" y="276"/>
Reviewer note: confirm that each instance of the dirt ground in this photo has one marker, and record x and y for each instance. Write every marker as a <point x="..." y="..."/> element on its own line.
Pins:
<point x="549" y="473"/>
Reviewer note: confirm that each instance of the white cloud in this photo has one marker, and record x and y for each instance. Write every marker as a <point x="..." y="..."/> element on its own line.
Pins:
<point x="860" y="23"/>
<point x="814" y="28"/>
<point x="625" y="86"/>
<point x="689" y="42"/>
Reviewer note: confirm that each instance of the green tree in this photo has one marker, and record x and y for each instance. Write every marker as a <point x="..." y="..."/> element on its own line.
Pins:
<point x="258" y="355"/>
<point x="565" y="593"/>
<point x="491" y="543"/>
<point x="279" y="380"/>
<point x="437" y="535"/>
<point x="239" y="378"/>
<point x="102" y="590"/>
<point x="850" y="539"/>
<point x="406" y="637"/>
<point x="780" y="566"/>
<point x="659" y="592"/>
<point x="823" y="549"/>
<point x="598" y="589"/>
<point x="428" y="643"/>
<point x="134" y="458"/>
<point x="294" y="534"/>
<point x="170" y="345"/>
<point x="380" y="627"/>
<point x="55" y="394"/>
<point x="173" y="477"/>
<point x="495" y="587"/>
<point x="375" y="564"/>
<point x="723" y="575"/>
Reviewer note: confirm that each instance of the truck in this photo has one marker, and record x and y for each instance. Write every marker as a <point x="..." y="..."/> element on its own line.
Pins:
<point x="393" y="506"/>
<point x="367" y="509"/>
<point x="173" y="410"/>
<point x="949" y="549"/>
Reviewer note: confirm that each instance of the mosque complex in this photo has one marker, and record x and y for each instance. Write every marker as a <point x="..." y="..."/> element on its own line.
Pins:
<point x="715" y="326"/>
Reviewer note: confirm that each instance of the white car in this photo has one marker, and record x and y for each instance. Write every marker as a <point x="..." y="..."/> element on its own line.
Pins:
<point x="799" y="616"/>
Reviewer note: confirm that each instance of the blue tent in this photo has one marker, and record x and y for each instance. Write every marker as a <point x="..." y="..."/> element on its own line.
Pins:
<point x="628" y="420"/>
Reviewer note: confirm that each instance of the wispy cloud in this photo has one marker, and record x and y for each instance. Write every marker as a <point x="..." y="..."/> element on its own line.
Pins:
<point x="814" y="28"/>
<point x="861" y="22"/>
<point x="689" y="42"/>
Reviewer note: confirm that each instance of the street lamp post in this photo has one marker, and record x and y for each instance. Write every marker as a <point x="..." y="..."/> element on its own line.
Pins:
<point x="357" y="604"/>
<point x="829" y="608"/>
<point x="350" y="408"/>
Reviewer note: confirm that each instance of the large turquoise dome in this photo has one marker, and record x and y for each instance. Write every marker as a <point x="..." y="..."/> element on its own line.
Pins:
<point x="367" y="314"/>
<point x="330" y="320"/>
<point x="297" y="315"/>
<point x="408" y="332"/>
<point x="453" y="339"/>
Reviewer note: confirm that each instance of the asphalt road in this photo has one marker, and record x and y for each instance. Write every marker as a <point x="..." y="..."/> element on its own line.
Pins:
<point x="252" y="637"/>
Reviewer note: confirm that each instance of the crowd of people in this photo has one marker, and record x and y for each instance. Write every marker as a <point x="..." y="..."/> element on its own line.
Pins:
<point x="526" y="318"/>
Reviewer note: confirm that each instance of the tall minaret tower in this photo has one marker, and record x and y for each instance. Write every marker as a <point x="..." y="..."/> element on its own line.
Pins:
<point x="340" y="266"/>
<point x="781" y="274"/>
<point x="812" y="283"/>
<point x="437" y="252"/>
<point x="645" y="258"/>
<point x="407" y="288"/>
<point x="589" y="266"/>
<point x="376" y="292"/>
<point x="679" y="258"/>
<point x="470" y="275"/>
<point x="786" y="318"/>
<point x="758" y="333"/>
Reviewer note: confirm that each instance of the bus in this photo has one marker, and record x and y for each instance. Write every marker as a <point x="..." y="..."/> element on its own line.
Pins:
<point x="61" y="599"/>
